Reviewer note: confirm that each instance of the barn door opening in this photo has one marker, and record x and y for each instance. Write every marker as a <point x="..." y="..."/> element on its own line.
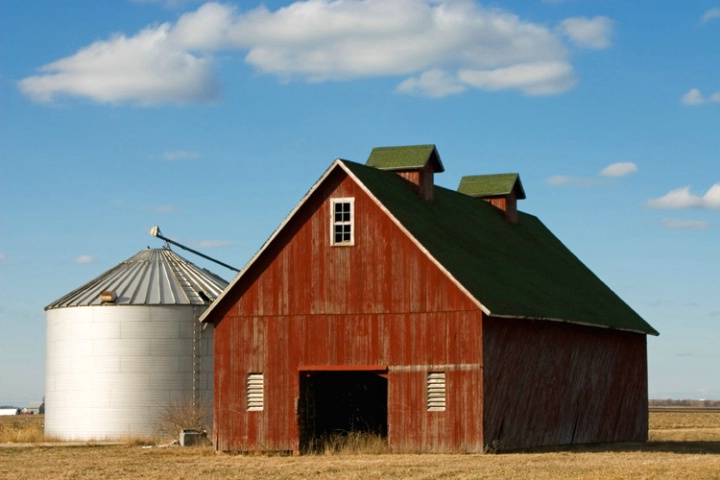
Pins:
<point x="340" y="407"/>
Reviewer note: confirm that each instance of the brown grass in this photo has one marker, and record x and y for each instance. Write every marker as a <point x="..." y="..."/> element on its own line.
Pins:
<point x="696" y="426"/>
<point x="185" y="414"/>
<point x="683" y="445"/>
<point x="680" y="419"/>
<point x="352" y="443"/>
<point x="22" y="429"/>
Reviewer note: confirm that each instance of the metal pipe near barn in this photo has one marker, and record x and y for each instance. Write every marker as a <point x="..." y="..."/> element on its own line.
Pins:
<point x="155" y="232"/>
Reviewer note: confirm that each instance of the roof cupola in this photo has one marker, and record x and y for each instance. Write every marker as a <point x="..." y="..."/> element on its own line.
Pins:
<point x="416" y="163"/>
<point x="501" y="191"/>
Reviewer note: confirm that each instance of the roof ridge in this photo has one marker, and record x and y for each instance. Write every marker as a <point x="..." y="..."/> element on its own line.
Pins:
<point x="521" y="270"/>
<point x="405" y="157"/>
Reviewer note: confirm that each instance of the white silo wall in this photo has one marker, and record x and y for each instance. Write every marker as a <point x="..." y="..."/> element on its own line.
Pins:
<point x="113" y="370"/>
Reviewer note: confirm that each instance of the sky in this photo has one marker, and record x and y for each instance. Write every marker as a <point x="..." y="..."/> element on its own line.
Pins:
<point x="212" y="120"/>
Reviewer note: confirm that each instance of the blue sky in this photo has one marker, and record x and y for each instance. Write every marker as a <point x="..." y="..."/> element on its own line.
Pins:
<point x="213" y="119"/>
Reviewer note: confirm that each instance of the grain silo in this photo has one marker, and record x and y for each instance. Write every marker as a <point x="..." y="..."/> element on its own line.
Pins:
<point x="125" y="346"/>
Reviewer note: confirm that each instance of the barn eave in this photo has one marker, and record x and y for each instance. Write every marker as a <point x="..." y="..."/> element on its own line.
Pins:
<point x="572" y="322"/>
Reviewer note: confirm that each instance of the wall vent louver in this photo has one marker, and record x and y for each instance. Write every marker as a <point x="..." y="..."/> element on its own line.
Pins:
<point x="255" y="392"/>
<point x="436" y="391"/>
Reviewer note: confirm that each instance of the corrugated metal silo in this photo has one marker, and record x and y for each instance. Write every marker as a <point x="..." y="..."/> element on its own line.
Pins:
<point x="125" y="346"/>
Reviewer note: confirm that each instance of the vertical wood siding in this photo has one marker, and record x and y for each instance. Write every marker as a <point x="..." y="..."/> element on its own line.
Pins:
<point x="510" y="383"/>
<point x="423" y="181"/>
<point x="549" y="383"/>
<point x="379" y="302"/>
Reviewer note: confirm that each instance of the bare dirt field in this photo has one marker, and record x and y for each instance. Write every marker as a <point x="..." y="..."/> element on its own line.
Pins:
<point x="682" y="445"/>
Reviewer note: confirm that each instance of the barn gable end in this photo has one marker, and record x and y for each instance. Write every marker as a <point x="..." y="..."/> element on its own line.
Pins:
<point x="463" y="329"/>
<point x="305" y="308"/>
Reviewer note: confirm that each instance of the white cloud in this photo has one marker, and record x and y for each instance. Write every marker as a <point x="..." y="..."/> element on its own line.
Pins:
<point x="433" y="83"/>
<point x="180" y="155"/>
<point x="679" y="224"/>
<point x="442" y="47"/>
<point x="588" y="32"/>
<point x="83" y="259"/>
<point x="711" y="199"/>
<point x="619" y="169"/>
<point x="712" y="14"/>
<point x="679" y="198"/>
<point x="682" y="198"/>
<point x="695" y="97"/>
<point x="532" y="78"/>
<point x="146" y="69"/>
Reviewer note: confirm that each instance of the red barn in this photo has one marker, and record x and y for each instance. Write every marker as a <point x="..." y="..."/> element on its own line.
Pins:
<point x="447" y="321"/>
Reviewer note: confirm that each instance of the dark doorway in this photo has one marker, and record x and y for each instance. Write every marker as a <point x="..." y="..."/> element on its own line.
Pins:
<point x="336" y="404"/>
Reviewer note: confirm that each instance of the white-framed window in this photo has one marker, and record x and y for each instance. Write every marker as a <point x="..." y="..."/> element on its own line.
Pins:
<point x="342" y="216"/>
<point x="436" y="392"/>
<point x="255" y="392"/>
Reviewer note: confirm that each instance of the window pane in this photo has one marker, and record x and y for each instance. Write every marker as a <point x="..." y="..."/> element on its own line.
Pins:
<point x="342" y="222"/>
<point x="338" y="234"/>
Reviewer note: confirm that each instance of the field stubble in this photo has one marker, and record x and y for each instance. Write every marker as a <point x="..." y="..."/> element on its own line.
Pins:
<point x="682" y="445"/>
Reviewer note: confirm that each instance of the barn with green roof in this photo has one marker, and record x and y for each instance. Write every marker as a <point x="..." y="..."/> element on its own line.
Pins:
<point x="439" y="320"/>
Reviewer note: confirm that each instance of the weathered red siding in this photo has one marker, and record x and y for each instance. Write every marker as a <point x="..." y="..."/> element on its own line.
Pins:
<point x="381" y="305"/>
<point x="380" y="302"/>
<point x="422" y="179"/>
<point x="549" y="383"/>
<point x="506" y="203"/>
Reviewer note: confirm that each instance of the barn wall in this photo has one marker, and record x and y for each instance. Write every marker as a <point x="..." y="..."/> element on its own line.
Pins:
<point x="380" y="302"/>
<point x="549" y="383"/>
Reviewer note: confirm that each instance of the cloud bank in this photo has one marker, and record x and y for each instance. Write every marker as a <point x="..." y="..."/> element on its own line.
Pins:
<point x="619" y="169"/>
<point x="588" y="32"/>
<point x="695" y="97"/>
<point x="441" y="47"/>
<point x="682" y="198"/>
<point x="712" y="14"/>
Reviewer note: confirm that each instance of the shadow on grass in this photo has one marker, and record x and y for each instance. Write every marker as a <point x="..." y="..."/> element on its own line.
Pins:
<point x="693" y="447"/>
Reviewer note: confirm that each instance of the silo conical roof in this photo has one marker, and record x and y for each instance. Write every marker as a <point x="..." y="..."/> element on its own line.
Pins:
<point x="150" y="277"/>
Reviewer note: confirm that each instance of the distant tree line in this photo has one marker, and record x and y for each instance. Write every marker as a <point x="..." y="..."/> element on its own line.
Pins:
<point x="685" y="403"/>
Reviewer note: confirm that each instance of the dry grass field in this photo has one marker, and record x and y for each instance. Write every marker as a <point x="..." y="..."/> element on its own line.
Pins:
<point x="682" y="445"/>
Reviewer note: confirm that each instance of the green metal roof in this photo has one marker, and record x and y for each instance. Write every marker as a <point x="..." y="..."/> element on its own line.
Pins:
<point x="400" y="158"/>
<point x="491" y="185"/>
<point x="515" y="270"/>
